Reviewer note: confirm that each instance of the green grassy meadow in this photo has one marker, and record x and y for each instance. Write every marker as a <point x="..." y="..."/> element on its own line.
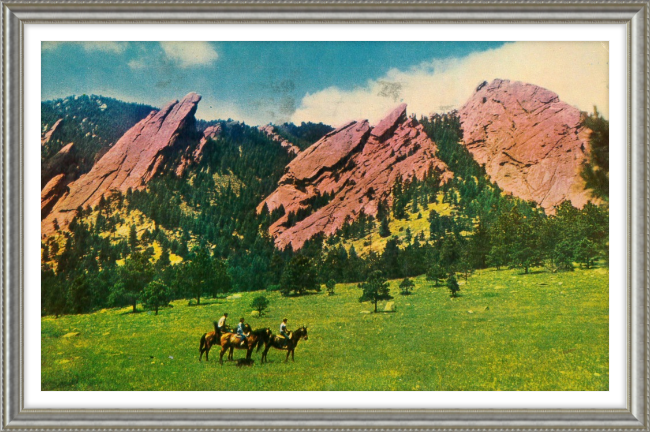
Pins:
<point x="507" y="331"/>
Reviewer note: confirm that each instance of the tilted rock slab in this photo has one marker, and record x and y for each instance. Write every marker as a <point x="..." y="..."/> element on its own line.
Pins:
<point x="531" y="144"/>
<point x="47" y="136"/>
<point x="210" y="132"/>
<point x="60" y="163"/>
<point x="269" y="131"/>
<point x="51" y="193"/>
<point x="138" y="156"/>
<point x="359" y="165"/>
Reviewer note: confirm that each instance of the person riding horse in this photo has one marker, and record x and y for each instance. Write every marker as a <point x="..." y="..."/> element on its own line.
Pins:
<point x="285" y="332"/>
<point x="241" y="331"/>
<point x="221" y="325"/>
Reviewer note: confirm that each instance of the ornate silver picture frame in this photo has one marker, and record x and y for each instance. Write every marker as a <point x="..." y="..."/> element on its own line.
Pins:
<point x="16" y="14"/>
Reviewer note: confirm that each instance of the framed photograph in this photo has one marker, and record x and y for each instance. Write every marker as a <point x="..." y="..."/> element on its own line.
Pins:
<point x="325" y="215"/>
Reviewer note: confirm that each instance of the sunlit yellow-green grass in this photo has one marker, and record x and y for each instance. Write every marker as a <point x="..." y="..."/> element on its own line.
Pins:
<point x="507" y="331"/>
<point x="417" y="222"/>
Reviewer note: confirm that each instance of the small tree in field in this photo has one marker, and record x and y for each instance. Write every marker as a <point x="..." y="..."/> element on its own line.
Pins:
<point x="260" y="303"/>
<point x="452" y="286"/>
<point x="406" y="286"/>
<point x="375" y="288"/>
<point x="436" y="274"/>
<point x="155" y="295"/>
<point x="330" y="284"/>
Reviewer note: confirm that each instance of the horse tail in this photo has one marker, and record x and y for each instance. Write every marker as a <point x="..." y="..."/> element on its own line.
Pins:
<point x="202" y="343"/>
<point x="259" y="344"/>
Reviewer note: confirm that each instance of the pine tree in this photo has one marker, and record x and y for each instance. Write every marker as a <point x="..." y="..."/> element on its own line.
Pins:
<point x="135" y="274"/>
<point x="299" y="276"/>
<point x="155" y="295"/>
<point x="384" y="229"/>
<point x="436" y="274"/>
<point x="452" y="286"/>
<point x="260" y="303"/>
<point x="375" y="288"/>
<point x="330" y="287"/>
<point x="133" y="238"/>
<point x="406" y="286"/>
<point x="595" y="171"/>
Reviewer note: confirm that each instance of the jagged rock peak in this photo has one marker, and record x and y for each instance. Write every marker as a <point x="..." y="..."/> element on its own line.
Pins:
<point x="389" y="123"/>
<point x="355" y="166"/>
<point x="531" y="143"/>
<point x="133" y="160"/>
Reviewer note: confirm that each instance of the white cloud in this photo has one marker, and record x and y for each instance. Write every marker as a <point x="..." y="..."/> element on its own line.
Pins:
<point x="188" y="54"/>
<point x="577" y="71"/>
<point x="137" y="64"/>
<point x="108" y="47"/>
<point x="101" y="46"/>
<point x="49" y="46"/>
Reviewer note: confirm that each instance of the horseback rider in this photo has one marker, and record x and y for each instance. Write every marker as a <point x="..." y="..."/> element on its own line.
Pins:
<point x="221" y="325"/>
<point x="241" y="331"/>
<point x="285" y="332"/>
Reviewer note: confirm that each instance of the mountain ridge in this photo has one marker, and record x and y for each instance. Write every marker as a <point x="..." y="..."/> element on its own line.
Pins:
<point x="515" y="130"/>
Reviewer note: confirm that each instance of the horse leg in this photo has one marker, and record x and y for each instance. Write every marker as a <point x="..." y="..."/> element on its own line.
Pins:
<point x="223" y="350"/>
<point x="287" y="358"/>
<point x="207" y="351"/>
<point x="266" y="350"/>
<point x="230" y="357"/>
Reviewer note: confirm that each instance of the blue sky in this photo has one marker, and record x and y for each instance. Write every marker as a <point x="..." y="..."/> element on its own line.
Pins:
<point x="262" y="82"/>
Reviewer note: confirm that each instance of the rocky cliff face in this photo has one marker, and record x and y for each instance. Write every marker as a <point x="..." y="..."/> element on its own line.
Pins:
<point x="138" y="156"/>
<point x="531" y="143"/>
<point x="356" y="166"/>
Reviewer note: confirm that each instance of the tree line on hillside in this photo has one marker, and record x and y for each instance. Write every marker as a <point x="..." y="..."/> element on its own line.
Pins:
<point x="210" y="223"/>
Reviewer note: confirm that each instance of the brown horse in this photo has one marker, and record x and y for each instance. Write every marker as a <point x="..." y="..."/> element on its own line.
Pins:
<point x="279" y="342"/>
<point x="209" y="339"/>
<point x="230" y="341"/>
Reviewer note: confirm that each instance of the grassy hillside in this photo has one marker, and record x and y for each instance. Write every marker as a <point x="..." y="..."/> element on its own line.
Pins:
<point x="507" y="331"/>
<point x="417" y="222"/>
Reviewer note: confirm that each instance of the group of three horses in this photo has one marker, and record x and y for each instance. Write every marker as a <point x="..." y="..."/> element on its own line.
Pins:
<point x="256" y="338"/>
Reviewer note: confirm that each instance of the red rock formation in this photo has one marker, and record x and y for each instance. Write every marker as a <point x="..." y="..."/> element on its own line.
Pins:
<point x="186" y="160"/>
<point x="210" y="132"/>
<point x="139" y="155"/>
<point x="62" y="162"/>
<point x="358" y="165"/>
<point x="51" y="193"/>
<point x="531" y="143"/>
<point x="269" y="131"/>
<point x="47" y="136"/>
